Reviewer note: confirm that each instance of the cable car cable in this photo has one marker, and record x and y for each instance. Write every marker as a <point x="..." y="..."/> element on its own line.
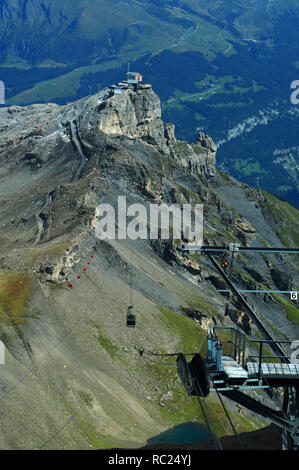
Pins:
<point x="32" y="368"/>
<point x="228" y="416"/>
<point x="151" y="353"/>
<point x="207" y="421"/>
<point x="59" y="430"/>
<point x="273" y="394"/>
<point x="207" y="413"/>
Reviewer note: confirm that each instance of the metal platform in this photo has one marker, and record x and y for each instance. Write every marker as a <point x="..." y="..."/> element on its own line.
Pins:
<point x="232" y="375"/>
<point x="233" y="369"/>
<point x="273" y="370"/>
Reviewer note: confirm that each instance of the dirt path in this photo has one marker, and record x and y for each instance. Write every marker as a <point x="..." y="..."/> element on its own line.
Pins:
<point x="41" y="220"/>
<point x="76" y="141"/>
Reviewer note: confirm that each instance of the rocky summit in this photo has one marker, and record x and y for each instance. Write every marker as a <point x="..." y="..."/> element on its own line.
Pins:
<point x="74" y="376"/>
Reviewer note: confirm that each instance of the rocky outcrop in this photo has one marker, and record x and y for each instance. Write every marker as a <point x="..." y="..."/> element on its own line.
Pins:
<point x="137" y="115"/>
<point x="133" y="114"/>
<point x="54" y="272"/>
<point x="200" y="317"/>
<point x="282" y="280"/>
<point x="194" y="158"/>
<point x="241" y="319"/>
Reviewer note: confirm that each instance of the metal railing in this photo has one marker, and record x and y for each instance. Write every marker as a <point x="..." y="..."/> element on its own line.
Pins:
<point x="261" y="356"/>
<point x="237" y="342"/>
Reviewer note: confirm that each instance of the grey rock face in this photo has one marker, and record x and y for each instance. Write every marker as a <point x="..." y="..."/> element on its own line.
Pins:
<point x="282" y="280"/>
<point x="206" y="142"/>
<point x="137" y="115"/>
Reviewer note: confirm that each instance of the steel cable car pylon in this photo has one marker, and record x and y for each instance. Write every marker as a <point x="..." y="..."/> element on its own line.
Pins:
<point x="131" y="318"/>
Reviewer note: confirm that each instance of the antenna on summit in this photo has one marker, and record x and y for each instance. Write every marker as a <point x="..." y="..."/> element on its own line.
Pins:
<point x="128" y="67"/>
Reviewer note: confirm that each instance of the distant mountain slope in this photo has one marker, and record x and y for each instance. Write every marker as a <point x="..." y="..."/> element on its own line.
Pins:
<point x="70" y="33"/>
<point x="219" y="65"/>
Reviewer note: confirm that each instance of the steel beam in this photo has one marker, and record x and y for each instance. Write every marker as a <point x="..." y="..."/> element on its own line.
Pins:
<point x="257" y="407"/>
<point x="263" y="329"/>
<point x="243" y="249"/>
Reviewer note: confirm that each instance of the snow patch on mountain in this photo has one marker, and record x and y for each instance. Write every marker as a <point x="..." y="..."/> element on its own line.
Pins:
<point x="245" y="127"/>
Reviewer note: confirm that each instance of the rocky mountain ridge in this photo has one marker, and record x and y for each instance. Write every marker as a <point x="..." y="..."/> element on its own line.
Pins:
<point x="56" y="164"/>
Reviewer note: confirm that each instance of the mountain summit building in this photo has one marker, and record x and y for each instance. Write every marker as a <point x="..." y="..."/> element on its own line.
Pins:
<point x="133" y="80"/>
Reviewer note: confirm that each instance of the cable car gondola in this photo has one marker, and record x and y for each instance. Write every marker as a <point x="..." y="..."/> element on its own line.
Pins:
<point x="131" y="318"/>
